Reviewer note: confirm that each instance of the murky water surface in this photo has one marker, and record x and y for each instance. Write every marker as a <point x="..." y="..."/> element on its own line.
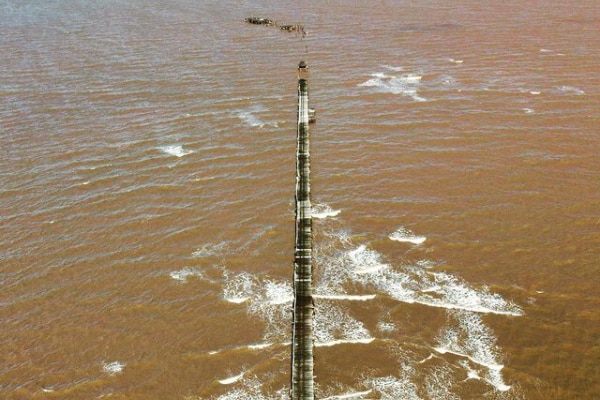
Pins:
<point x="147" y="194"/>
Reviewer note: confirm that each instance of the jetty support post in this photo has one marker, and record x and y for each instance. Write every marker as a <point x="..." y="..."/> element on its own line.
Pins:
<point x="302" y="385"/>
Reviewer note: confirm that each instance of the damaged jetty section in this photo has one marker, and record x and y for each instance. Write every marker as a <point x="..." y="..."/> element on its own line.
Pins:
<point x="259" y="21"/>
<point x="297" y="28"/>
<point x="302" y="385"/>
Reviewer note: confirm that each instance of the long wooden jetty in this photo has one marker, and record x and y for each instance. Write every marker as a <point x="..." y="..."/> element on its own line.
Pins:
<point x="302" y="386"/>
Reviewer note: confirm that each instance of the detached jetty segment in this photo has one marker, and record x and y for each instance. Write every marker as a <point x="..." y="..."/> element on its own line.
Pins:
<point x="302" y="387"/>
<point x="259" y="21"/>
<point x="294" y="28"/>
<point x="297" y="28"/>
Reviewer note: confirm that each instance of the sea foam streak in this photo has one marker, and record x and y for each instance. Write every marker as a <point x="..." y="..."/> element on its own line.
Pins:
<point x="232" y="379"/>
<point x="475" y="341"/>
<point x="569" y="90"/>
<point x="405" y="84"/>
<point x="239" y="288"/>
<point x="249" y="118"/>
<point x="210" y="250"/>
<point x="403" y="234"/>
<point x="113" y="367"/>
<point x="268" y="300"/>
<point x="366" y="261"/>
<point x="175" y="150"/>
<point x="321" y="211"/>
<point x="412" y="284"/>
<point x="183" y="274"/>
<point x="334" y="325"/>
<point x="348" y="395"/>
<point x="391" y="387"/>
<point x="437" y="383"/>
<point x="359" y="297"/>
<point x="250" y="389"/>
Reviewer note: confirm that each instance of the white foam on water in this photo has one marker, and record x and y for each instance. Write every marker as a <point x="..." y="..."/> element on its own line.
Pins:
<point x="251" y="389"/>
<point x="464" y="335"/>
<point x="278" y="292"/>
<point x="231" y="379"/>
<point x="269" y="300"/>
<point x="343" y="341"/>
<point x="473" y="340"/>
<point x="528" y="110"/>
<point x="403" y="234"/>
<point x="454" y="293"/>
<point x="393" y="388"/>
<point x="452" y="60"/>
<point x="405" y="84"/>
<point x="359" y="297"/>
<point x="249" y="118"/>
<point x="183" y="274"/>
<point x="386" y="326"/>
<point x="175" y="150"/>
<point x="322" y="211"/>
<point x="429" y="357"/>
<point x="259" y="346"/>
<point x="413" y="284"/>
<point x="334" y="325"/>
<point x="239" y="288"/>
<point x="471" y="373"/>
<point x="535" y="92"/>
<point x="252" y="346"/>
<point x="210" y="250"/>
<point x="420" y="283"/>
<point x="348" y="395"/>
<point x="439" y="382"/>
<point x="392" y="68"/>
<point x="426" y="264"/>
<point x="545" y="50"/>
<point x="113" y="367"/>
<point x="365" y="261"/>
<point x="569" y="90"/>
<point x="236" y="300"/>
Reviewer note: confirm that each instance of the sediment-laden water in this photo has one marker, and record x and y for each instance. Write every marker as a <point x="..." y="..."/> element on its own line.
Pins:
<point x="147" y="193"/>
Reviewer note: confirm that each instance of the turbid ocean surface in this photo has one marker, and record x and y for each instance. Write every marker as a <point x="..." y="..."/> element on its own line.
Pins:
<point x="147" y="178"/>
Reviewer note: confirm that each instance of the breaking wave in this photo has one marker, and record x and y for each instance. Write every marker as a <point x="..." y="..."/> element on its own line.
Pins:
<point x="469" y="338"/>
<point x="463" y="349"/>
<point x="183" y="274"/>
<point x="175" y="150"/>
<point x="413" y="284"/>
<point x="113" y="368"/>
<point x="322" y="211"/>
<point x="404" y="84"/>
<point x="406" y="235"/>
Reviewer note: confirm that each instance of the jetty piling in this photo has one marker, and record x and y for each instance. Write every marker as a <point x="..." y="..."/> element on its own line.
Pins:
<point x="302" y="385"/>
